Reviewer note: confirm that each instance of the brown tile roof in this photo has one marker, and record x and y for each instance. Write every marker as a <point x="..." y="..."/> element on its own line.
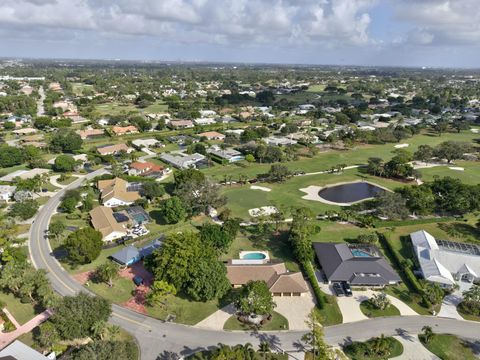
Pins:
<point x="119" y="130"/>
<point x="116" y="188"/>
<point x="212" y="135"/>
<point x="112" y="149"/>
<point x="274" y="274"/>
<point x="90" y="132"/>
<point x="148" y="166"/>
<point x="102" y="220"/>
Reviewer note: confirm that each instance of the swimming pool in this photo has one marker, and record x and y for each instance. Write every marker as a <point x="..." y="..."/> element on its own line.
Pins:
<point x="360" y="253"/>
<point x="254" y="256"/>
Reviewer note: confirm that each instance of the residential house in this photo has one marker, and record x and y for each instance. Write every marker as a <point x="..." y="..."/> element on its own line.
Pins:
<point x="102" y="220"/>
<point x="183" y="161"/>
<point x="90" y="133"/>
<point x="356" y="266"/>
<point x="212" y="135"/>
<point x="116" y="192"/>
<point x="17" y="350"/>
<point x="24" y="174"/>
<point x="446" y="262"/>
<point x="130" y="255"/>
<point x="280" y="141"/>
<point x="228" y="155"/>
<point x="25" y="131"/>
<point x="204" y="121"/>
<point x="180" y="124"/>
<point x="114" y="149"/>
<point x="123" y="130"/>
<point x="279" y="281"/>
<point x="207" y="113"/>
<point x="146" y="143"/>
<point x="147" y="169"/>
<point x="6" y="192"/>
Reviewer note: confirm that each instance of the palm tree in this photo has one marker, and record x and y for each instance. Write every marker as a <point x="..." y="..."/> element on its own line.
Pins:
<point x="264" y="348"/>
<point x="98" y="329"/>
<point x="427" y="334"/>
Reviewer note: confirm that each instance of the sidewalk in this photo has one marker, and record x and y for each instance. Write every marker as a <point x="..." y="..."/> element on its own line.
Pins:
<point x="7" y="338"/>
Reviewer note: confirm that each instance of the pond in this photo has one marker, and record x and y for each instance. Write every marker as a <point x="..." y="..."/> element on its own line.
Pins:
<point x="350" y="193"/>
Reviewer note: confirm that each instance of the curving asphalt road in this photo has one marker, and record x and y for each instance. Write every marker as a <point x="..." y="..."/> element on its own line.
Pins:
<point x="160" y="340"/>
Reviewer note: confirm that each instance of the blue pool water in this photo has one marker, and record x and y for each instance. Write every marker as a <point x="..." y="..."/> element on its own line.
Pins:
<point x="360" y="253"/>
<point x="254" y="256"/>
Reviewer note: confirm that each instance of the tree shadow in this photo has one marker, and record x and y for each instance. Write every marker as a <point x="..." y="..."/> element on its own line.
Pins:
<point x="460" y="230"/>
<point x="157" y="216"/>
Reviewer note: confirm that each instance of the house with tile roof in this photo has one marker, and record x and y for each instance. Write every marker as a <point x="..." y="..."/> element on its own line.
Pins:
<point x="123" y="130"/>
<point x="279" y="281"/>
<point x="146" y="168"/>
<point x="115" y="192"/>
<point x="102" y="220"/>
<point x="114" y="149"/>
<point x="355" y="266"/>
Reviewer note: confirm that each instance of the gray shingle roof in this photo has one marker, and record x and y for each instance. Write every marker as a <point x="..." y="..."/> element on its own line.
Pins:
<point x="339" y="264"/>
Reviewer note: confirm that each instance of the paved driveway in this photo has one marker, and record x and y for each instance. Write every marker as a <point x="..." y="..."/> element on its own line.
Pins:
<point x="413" y="348"/>
<point x="217" y="319"/>
<point x="449" y="306"/>
<point x="295" y="309"/>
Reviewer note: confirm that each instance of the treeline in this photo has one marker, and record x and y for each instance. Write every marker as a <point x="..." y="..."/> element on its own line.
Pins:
<point x="18" y="105"/>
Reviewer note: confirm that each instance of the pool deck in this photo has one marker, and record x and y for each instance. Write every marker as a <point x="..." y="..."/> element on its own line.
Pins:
<point x="313" y="192"/>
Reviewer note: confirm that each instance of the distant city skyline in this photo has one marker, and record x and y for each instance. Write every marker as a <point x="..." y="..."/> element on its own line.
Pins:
<point x="430" y="33"/>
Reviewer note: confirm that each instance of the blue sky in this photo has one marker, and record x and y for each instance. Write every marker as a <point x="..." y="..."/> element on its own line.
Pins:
<point x="439" y="33"/>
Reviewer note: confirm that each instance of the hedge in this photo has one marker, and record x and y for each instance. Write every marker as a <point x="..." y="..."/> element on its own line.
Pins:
<point x="412" y="281"/>
<point x="321" y="299"/>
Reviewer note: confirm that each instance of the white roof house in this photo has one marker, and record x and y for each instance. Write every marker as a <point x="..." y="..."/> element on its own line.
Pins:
<point x="140" y="143"/>
<point x="444" y="262"/>
<point x="6" y="192"/>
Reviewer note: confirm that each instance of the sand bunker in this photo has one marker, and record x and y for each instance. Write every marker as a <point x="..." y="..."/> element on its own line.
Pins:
<point x="261" y="188"/>
<point x="399" y="146"/>
<point x="457" y="168"/>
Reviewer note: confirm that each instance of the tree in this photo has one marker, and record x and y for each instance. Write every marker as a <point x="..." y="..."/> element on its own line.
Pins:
<point x="250" y="158"/>
<point x="10" y="156"/>
<point x="371" y="238"/>
<point x="174" y="260"/>
<point x="471" y="300"/>
<point x="47" y="334"/>
<point x="56" y="228"/>
<point x="208" y="277"/>
<point x="380" y="301"/>
<point x="215" y="236"/>
<point x="419" y="199"/>
<point x="314" y="337"/>
<point x="64" y="163"/>
<point x="427" y="334"/>
<point x="173" y="210"/>
<point x="104" y="350"/>
<point x="391" y="205"/>
<point x="278" y="173"/>
<point x="301" y="230"/>
<point x="375" y="166"/>
<point x="83" y="245"/>
<point x="432" y="293"/>
<point x="199" y="196"/>
<point x="264" y="349"/>
<point x="66" y="140"/>
<point x="159" y="292"/>
<point x="107" y="272"/>
<point x="451" y="150"/>
<point x="74" y="316"/>
<point x="24" y="209"/>
<point x="424" y="153"/>
<point x="153" y="190"/>
<point x="441" y="126"/>
<point x="255" y="298"/>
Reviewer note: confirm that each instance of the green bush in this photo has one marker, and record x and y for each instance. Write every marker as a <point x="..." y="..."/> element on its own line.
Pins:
<point x="321" y="298"/>
<point x="411" y="280"/>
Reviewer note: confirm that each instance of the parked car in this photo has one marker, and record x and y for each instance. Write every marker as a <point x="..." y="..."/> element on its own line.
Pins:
<point x="138" y="280"/>
<point x="338" y="289"/>
<point x="347" y="289"/>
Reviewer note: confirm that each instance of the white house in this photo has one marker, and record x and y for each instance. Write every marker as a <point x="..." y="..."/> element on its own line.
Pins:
<point x="6" y="192"/>
<point x="445" y="262"/>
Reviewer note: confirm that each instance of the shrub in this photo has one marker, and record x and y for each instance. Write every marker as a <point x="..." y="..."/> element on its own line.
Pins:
<point x="321" y="298"/>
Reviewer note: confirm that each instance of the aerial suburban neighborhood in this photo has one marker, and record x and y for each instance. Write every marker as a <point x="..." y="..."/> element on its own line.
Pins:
<point x="226" y="209"/>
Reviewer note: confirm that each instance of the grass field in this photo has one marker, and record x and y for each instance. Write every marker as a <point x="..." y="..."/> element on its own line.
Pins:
<point x="116" y="108"/>
<point x="278" y="322"/>
<point x="20" y="311"/>
<point x="449" y="347"/>
<point x="371" y="311"/>
<point x="121" y="291"/>
<point x="330" y="313"/>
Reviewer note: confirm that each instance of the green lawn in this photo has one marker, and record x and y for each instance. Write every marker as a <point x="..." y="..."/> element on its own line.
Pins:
<point x="115" y="108"/>
<point x="68" y="180"/>
<point x="330" y="313"/>
<point x="404" y="294"/>
<point x="371" y="311"/>
<point x="121" y="291"/>
<point x="278" y="322"/>
<point x="466" y="315"/>
<point x="449" y="347"/>
<point x="20" y="311"/>
<point x="186" y="311"/>
<point x="359" y="350"/>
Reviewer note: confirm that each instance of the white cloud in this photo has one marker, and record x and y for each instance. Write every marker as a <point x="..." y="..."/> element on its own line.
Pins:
<point x="327" y="22"/>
